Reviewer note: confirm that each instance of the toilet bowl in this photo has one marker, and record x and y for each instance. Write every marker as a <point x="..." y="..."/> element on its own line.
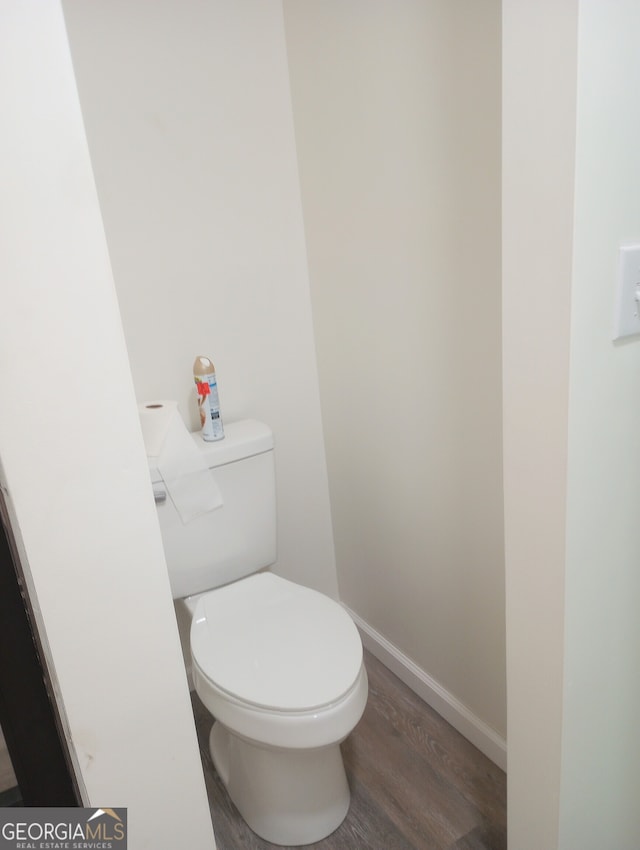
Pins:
<point x="280" y="668"/>
<point x="278" y="665"/>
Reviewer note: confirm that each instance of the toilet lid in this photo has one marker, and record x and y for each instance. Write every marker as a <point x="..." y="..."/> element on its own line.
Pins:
<point x="275" y="644"/>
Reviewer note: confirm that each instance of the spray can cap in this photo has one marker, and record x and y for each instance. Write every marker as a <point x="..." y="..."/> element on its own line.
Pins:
<point x="203" y="366"/>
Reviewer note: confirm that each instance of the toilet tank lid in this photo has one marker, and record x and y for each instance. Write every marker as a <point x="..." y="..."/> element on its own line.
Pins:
<point x="243" y="439"/>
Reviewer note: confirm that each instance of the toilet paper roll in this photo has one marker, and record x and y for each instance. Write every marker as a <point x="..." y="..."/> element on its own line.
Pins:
<point x="189" y="482"/>
<point x="155" y="418"/>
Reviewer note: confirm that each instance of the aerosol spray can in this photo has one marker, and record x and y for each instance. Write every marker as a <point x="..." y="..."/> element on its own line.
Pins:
<point x="204" y="375"/>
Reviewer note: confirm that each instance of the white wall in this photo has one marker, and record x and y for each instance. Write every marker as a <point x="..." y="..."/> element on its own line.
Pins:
<point x="538" y="145"/>
<point x="73" y="464"/>
<point x="601" y="744"/>
<point x="188" y="117"/>
<point x="396" y="107"/>
<point x="572" y="415"/>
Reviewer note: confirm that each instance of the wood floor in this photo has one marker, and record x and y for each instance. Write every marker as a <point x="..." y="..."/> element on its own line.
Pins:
<point x="7" y="776"/>
<point x="416" y="784"/>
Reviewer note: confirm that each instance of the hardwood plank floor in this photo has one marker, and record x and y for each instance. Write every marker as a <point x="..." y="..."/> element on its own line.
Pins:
<point x="416" y="783"/>
<point x="7" y="776"/>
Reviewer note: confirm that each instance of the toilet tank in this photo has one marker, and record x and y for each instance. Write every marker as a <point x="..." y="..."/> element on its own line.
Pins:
<point x="237" y="538"/>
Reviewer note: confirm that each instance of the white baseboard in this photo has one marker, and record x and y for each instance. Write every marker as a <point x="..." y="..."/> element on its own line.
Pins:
<point x="486" y="739"/>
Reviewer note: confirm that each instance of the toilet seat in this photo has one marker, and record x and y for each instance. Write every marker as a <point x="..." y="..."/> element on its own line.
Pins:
<point x="272" y="645"/>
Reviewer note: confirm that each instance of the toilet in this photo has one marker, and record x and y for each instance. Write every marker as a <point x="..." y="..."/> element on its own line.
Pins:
<point x="278" y="665"/>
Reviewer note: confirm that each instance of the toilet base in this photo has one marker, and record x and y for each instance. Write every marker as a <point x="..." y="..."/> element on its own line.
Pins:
<point x="288" y="797"/>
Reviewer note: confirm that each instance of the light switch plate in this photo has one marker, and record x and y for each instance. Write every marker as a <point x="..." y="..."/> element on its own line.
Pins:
<point x="627" y="309"/>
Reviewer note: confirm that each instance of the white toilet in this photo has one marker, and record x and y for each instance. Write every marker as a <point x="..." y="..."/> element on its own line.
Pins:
<point x="278" y="665"/>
